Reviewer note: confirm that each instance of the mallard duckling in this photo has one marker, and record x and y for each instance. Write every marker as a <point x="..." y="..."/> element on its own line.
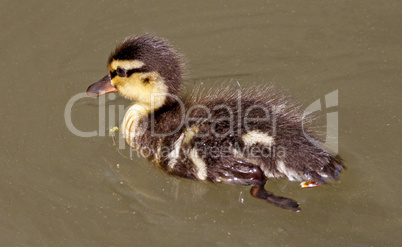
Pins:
<point x="235" y="137"/>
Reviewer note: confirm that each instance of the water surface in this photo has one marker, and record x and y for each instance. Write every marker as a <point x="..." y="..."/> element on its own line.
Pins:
<point x="59" y="189"/>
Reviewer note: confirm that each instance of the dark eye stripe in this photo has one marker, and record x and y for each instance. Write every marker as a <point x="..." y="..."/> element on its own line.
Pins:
<point x="139" y="70"/>
<point x="130" y="72"/>
<point x="113" y="74"/>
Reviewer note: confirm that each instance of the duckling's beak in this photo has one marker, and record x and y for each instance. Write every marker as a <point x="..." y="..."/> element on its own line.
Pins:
<point x="103" y="86"/>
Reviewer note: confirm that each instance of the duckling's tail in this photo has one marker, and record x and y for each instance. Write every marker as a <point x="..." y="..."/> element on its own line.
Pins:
<point x="333" y="168"/>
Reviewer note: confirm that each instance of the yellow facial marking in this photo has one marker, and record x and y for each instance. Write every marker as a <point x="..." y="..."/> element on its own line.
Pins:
<point x="146" y="88"/>
<point x="125" y="64"/>
<point x="255" y="136"/>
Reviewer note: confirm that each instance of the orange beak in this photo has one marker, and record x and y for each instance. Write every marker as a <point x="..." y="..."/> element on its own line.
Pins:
<point x="103" y="86"/>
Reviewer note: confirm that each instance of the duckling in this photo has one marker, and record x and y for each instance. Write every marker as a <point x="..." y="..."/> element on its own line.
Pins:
<point x="235" y="137"/>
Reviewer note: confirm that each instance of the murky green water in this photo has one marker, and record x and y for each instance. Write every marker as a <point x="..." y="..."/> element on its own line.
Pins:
<point x="59" y="189"/>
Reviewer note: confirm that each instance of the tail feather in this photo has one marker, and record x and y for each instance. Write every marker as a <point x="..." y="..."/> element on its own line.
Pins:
<point x="333" y="168"/>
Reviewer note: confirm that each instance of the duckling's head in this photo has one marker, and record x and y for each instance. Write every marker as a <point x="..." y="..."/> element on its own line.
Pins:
<point x="144" y="69"/>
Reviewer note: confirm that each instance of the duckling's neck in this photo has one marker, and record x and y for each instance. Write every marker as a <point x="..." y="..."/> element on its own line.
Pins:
<point x="130" y="126"/>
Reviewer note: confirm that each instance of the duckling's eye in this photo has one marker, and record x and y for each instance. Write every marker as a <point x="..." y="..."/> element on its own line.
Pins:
<point x="121" y="72"/>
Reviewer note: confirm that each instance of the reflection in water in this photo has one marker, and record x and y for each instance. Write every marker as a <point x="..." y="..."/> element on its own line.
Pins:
<point x="152" y="203"/>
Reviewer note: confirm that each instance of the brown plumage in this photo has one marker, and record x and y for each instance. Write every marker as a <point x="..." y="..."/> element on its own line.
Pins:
<point x="233" y="136"/>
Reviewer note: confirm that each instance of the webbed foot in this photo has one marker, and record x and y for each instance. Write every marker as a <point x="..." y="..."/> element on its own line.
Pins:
<point x="258" y="191"/>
